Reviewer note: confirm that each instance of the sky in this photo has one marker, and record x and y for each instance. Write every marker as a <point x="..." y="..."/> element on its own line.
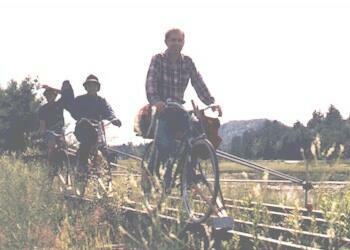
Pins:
<point x="260" y="59"/>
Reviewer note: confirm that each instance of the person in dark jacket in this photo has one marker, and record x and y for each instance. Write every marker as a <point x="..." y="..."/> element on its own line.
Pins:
<point x="90" y="106"/>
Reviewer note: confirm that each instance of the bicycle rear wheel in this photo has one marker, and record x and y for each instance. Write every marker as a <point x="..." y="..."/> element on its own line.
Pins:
<point x="200" y="181"/>
<point x="61" y="170"/>
<point x="152" y="179"/>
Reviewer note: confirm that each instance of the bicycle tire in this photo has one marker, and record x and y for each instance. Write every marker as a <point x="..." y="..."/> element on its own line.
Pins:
<point x="151" y="179"/>
<point x="61" y="169"/>
<point x="100" y="175"/>
<point x="201" y="169"/>
<point x="106" y="173"/>
<point x="80" y="177"/>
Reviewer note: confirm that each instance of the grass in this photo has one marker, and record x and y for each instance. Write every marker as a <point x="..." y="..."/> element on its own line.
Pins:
<point x="322" y="170"/>
<point x="32" y="216"/>
<point x="334" y="202"/>
<point x="318" y="171"/>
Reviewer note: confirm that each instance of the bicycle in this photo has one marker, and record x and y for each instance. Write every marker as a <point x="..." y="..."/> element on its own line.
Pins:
<point x="193" y="163"/>
<point x="98" y="166"/>
<point x="59" y="163"/>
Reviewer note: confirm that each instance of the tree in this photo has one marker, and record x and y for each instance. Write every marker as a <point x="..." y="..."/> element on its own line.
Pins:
<point x="236" y="146"/>
<point x="333" y="117"/>
<point x="316" y="120"/>
<point x="18" y="108"/>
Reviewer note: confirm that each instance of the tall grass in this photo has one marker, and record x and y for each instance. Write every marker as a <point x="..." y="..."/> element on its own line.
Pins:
<point x="34" y="216"/>
<point x="31" y="215"/>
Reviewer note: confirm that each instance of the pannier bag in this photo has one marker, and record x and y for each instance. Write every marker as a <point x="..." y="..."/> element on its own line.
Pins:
<point x="211" y="126"/>
<point x="142" y="122"/>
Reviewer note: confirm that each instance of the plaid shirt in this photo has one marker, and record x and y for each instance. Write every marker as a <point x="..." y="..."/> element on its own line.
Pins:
<point x="165" y="81"/>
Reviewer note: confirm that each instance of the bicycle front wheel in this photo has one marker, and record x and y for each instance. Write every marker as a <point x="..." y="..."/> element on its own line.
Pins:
<point x="200" y="181"/>
<point x="152" y="179"/>
<point x="102" y="175"/>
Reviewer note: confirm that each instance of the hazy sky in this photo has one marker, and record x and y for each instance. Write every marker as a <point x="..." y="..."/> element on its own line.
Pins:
<point x="260" y="59"/>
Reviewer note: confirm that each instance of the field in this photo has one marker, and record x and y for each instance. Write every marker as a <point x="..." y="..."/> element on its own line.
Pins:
<point x="320" y="170"/>
<point x="33" y="216"/>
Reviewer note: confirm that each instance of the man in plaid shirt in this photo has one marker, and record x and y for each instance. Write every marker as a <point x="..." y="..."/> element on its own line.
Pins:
<point x="167" y="79"/>
<point x="169" y="73"/>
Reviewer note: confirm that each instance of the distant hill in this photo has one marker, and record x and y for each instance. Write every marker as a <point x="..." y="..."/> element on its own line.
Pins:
<point x="231" y="129"/>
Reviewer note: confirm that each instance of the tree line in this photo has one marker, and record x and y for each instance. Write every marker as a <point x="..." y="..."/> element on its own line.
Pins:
<point x="325" y="136"/>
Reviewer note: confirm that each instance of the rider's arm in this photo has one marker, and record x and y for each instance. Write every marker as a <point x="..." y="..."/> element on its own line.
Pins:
<point x="67" y="96"/>
<point x="45" y="86"/>
<point x="76" y="108"/>
<point x="152" y="80"/>
<point x="106" y="110"/>
<point x="199" y="85"/>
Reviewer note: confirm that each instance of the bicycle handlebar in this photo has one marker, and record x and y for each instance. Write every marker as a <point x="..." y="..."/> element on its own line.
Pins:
<point x="213" y="107"/>
<point x="96" y="122"/>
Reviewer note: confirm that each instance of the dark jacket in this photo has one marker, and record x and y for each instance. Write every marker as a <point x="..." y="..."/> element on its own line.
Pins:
<point x="52" y="113"/>
<point x="91" y="107"/>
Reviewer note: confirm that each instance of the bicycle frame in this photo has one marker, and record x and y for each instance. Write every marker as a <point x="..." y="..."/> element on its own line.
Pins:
<point x="188" y="138"/>
<point x="61" y="146"/>
<point x="60" y="141"/>
<point x="100" y="129"/>
<point x="100" y="145"/>
<point x="192" y="138"/>
<point x="191" y="120"/>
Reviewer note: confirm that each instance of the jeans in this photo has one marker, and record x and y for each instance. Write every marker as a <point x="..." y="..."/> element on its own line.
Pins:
<point x="171" y="123"/>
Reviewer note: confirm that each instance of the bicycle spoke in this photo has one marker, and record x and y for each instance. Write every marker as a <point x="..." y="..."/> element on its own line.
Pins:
<point x="152" y="179"/>
<point x="199" y="193"/>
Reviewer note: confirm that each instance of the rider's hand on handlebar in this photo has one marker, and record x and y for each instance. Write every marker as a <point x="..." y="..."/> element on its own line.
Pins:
<point x="160" y="106"/>
<point x="217" y="108"/>
<point x="116" y="122"/>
